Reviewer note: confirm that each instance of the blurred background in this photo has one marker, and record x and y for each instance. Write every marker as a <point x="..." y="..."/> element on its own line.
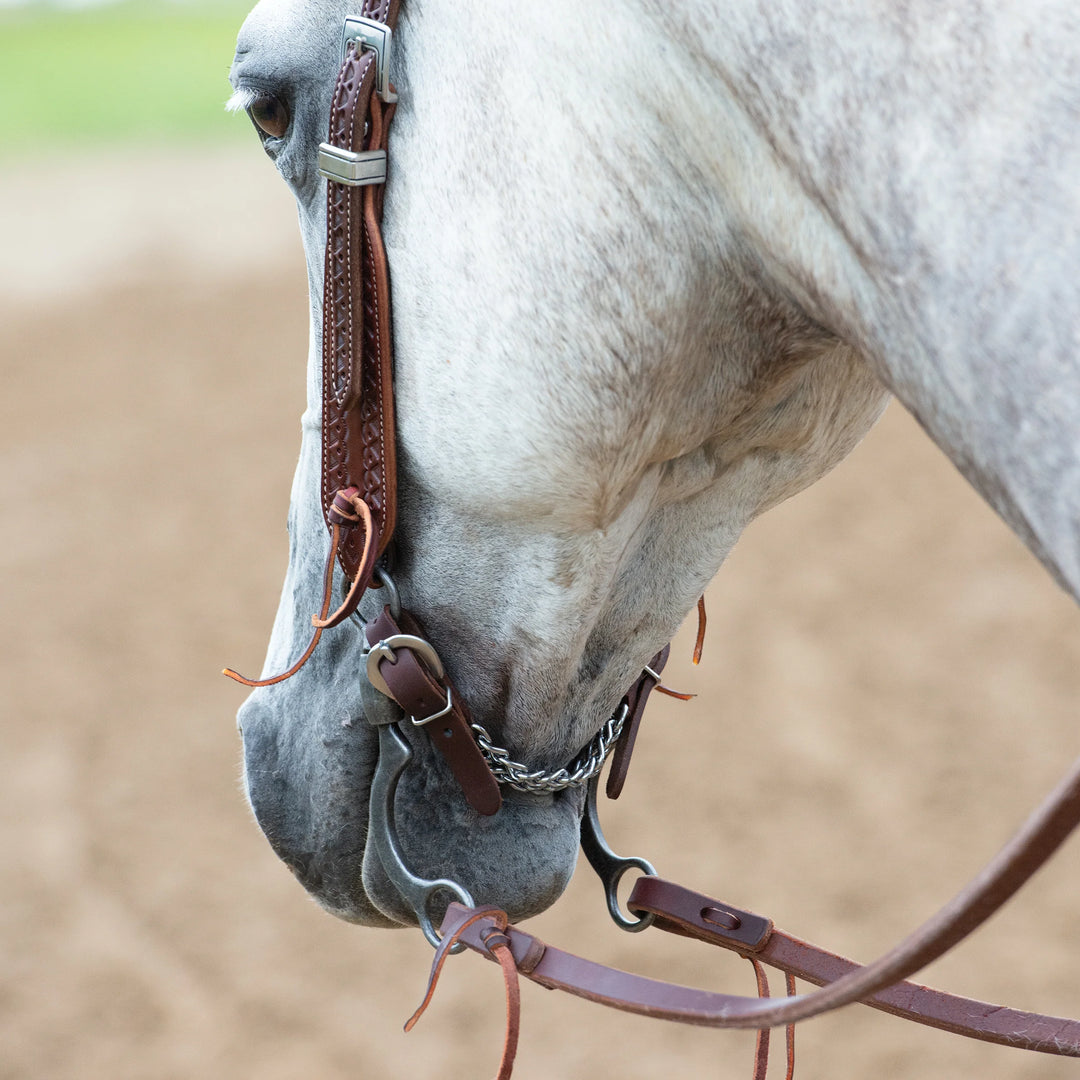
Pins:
<point x="889" y="686"/>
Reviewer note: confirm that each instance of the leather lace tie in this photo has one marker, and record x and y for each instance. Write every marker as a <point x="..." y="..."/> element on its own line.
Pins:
<point x="761" y="1047"/>
<point x="496" y="947"/>
<point x="348" y="511"/>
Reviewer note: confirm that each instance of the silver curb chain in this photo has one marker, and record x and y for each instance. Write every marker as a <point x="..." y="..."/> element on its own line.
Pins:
<point x="538" y="782"/>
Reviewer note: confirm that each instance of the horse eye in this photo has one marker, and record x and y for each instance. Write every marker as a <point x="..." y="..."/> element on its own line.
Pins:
<point x="270" y="115"/>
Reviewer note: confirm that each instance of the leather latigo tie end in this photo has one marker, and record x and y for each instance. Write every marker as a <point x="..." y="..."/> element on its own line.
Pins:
<point x="347" y="512"/>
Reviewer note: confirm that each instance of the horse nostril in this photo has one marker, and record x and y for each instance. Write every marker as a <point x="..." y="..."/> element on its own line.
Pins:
<point x="247" y="718"/>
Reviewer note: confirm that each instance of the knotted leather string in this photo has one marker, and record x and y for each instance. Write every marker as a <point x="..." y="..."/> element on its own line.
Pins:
<point x="348" y="506"/>
<point x="497" y="947"/>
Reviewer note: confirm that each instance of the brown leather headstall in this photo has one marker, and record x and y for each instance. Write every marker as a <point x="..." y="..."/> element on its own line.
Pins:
<point x="358" y="489"/>
<point x="359" y="474"/>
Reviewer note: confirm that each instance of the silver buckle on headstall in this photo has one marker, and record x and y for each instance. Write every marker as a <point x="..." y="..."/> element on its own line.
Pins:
<point x="369" y="166"/>
<point x="376" y="36"/>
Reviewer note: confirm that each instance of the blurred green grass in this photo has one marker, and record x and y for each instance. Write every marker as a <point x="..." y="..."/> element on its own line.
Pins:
<point x="127" y="72"/>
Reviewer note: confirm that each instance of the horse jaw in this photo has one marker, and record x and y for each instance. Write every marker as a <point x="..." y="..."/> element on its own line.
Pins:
<point x="596" y="393"/>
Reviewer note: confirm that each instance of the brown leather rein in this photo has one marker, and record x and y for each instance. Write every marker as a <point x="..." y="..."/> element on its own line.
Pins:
<point x="359" y="505"/>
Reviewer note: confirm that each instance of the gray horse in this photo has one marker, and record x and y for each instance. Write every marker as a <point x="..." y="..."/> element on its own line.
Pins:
<point x="655" y="270"/>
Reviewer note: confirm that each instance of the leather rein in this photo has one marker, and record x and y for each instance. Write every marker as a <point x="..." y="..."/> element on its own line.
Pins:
<point x="358" y="495"/>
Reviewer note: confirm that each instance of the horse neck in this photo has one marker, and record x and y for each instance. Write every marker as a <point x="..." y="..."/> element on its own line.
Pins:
<point x="908" y="177"/>
<point x="903" y="178"/>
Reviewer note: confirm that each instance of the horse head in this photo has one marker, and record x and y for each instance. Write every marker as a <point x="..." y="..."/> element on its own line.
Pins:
<point x="600" y="381"/>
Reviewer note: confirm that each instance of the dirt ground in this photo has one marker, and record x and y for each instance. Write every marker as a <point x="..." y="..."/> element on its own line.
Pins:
<point x="890" y="685"/>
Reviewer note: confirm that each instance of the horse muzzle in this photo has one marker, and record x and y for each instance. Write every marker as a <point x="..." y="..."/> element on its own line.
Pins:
<point x="370" y="819"/>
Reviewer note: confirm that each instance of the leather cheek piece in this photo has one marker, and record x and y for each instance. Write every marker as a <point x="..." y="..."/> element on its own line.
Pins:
<point x="358" y="447"/>
<point x="636" y="699"/>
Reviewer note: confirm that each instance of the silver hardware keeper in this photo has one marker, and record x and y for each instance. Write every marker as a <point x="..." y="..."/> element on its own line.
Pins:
<point x="351" y="168"/>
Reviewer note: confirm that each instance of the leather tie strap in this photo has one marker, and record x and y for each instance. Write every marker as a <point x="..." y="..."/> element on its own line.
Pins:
<point x="761" y="1047"/>
<point x="347" y="510"/>
<point x="496" y="946"/>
